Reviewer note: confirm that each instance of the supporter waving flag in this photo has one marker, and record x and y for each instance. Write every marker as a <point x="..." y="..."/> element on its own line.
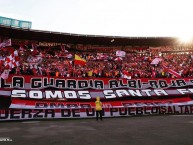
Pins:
<point x="79" y="61"/>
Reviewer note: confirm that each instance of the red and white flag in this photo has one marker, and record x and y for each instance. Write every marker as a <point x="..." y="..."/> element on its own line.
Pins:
<point x="5" y="43"/>
<point x="171" y="71"/>
<point x="126" y="75"/>
<point x="156" y="60"/>
<point x="12" y="60"/>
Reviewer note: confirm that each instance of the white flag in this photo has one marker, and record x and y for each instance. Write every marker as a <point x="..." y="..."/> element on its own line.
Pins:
<point x="120" y="53"/>
<point x="5" y="43"/>
<point x="156" y="61"/>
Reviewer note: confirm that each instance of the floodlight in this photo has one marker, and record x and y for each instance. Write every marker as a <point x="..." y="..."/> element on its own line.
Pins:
<point x="185" y="39"/>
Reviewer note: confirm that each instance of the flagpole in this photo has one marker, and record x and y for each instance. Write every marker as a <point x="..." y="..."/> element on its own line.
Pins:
<point x="74" y="66"/>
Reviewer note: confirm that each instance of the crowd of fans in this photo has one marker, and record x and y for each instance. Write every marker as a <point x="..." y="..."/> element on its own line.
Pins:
<point x="57" y="62"/>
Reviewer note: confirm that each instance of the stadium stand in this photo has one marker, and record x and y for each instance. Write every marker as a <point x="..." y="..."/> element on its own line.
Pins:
<point x="29" y="56"/>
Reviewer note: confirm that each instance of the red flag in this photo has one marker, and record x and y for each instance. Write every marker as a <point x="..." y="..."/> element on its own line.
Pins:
<point x="171" y="71"/>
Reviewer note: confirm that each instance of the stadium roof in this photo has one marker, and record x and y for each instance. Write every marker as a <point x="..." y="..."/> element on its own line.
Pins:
<point x="48" y="36"/>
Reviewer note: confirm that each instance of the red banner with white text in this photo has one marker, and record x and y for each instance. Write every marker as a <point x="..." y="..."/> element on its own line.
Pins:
<point x="30" y="97"/>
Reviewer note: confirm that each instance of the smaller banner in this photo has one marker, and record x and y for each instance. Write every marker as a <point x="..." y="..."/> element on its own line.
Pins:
<point x="5" y="43"/>
<point x="120" y="53"/>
